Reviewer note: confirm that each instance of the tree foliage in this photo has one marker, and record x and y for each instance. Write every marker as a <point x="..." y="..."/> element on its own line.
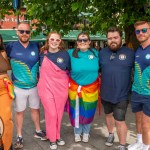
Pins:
<point x="98" y="15"/>
<point x="5" y="6"/>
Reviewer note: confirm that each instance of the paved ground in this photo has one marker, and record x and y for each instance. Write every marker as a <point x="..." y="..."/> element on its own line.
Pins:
<point x="97" y="136"/>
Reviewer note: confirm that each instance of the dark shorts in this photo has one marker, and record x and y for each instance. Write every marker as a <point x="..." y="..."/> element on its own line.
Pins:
<point x="118" y="109"/>
<point x="140" y="103"/>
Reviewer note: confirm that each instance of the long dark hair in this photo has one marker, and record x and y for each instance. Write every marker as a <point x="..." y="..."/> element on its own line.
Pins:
<point x="46" y="46"/>
<point x="76" y="50"/>
<point x="2" y="48"/>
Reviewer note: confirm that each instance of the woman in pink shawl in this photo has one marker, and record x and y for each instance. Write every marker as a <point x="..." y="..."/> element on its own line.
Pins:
<point x="53" y="85"/>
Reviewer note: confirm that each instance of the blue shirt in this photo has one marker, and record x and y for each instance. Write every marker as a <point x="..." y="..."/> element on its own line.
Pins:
<point x="141" y="83"/>
<point x="60" y="59"/>
<point x="24" y="63"/>
<point x="116" y="70"/>
<point x="84" y="70"/>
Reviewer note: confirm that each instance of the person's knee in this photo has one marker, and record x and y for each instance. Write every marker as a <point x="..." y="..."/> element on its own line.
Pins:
<point x="19" y="114"/>
<point x="110" y="115"/>
<point x="146" y="127"/>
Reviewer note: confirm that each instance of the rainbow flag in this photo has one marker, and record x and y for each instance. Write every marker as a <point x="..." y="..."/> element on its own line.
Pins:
<point x="10" y="88"/>
<point x="83" y="102"/>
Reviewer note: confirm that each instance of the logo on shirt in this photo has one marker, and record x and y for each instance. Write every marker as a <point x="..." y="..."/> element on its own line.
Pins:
<point x="91" y="56"/>
<point x="33" y="53"/>
<point x="19" y="54"/>
<point x="147" y="56"/>
<point x="60" y="60"/>
<point x="137" y="56"/>
<point x="122" y="56"/>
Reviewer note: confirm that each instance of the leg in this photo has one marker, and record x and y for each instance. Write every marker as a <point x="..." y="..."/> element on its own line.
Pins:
<point x="86" y="128"/>
<point x="34" y="104"/>
<point x="108" y="109"/>
<point x="146" y="129"/>
<point x="110" y="122"/>
<point x="6" y="116"/>
<point x="20" y="106"/>
<point x="35" y="114"/>
<point x="138" y="117"/>
<point x="60" y="101"/>
<point x="78" y="132"/>
<point x="119" y="116"/>
<point x="19" y="122"/>
<point x="50" y="117"/>
<point x="121" y="131"/>
<point x="86" y="131"/>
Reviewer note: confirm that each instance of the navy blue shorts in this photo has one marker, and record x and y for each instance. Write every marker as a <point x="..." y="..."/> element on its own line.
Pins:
<point x="118" y="110"/>
<point x="140" y="103"/>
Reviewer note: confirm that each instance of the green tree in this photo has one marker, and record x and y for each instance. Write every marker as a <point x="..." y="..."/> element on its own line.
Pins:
<point x="62" y="15"/>
<point x="5" y="6"/>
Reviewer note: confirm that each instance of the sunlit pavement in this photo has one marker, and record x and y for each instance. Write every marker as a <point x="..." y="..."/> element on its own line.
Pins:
<point x="97" y="136"/>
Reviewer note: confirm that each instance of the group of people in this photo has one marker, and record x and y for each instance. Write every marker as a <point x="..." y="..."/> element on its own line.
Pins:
<point x="87" y="76"/>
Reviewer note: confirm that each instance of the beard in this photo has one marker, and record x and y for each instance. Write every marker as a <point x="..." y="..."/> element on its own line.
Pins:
<point x="24" y="39"/>
<point x="114" y="46"/>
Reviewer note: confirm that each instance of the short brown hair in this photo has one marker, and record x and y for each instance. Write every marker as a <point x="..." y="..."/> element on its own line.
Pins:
<point x="114" y="29"/>
<point x="24" y="22"/>
<point x="141" y="23"/>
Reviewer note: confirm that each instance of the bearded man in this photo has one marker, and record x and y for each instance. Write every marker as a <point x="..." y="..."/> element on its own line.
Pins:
<point x="24" y="60"/>
<point x="116" y="63"/>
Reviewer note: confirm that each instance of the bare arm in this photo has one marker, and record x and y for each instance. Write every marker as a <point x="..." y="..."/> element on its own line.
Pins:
<point x="6" y="58"/>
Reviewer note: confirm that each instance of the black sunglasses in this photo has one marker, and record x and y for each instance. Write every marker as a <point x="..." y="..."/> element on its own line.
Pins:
<point x="82" y="40"/>
<point x="112" y="56"/>
<point x="144" y="30"/>
<point x="24" y="31"/>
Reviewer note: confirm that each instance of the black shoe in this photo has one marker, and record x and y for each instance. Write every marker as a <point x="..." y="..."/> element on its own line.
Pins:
<point x="110" y="140"/>
<point x="19" y="143"/>
<point x="40" y="135"/>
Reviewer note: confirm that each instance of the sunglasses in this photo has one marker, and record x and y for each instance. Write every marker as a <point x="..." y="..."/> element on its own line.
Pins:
<point x="144" y="30"/>
<point x="82" y="40"/>
<point x="56" y="40"/>
<point x="112" y="56"/>
<point x="24" y="31"/>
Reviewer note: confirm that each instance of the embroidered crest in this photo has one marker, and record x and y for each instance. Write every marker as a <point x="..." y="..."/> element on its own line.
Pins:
<point x="122" y="56"/>
<point x="60" y="60"/>
<point x="91" y="56"/>
<point x="147" y="56"/>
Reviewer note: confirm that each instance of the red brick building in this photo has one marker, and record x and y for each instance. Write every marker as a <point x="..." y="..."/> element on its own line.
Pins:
<point x="11" y="21"/>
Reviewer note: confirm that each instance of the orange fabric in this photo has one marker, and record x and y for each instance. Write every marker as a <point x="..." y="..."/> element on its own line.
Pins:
<point x="6" y="115"/>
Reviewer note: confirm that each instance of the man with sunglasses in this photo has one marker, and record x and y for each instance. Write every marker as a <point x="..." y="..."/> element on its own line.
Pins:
<point x="24" y="59"/>
<point x="116" y="63"/>
<point x="140" y="100"/>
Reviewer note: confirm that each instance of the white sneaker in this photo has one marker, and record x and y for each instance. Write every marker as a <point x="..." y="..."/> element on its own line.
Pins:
<point x="77" y="138"/>
<point x="53" y="145"/>
<point x="85" y="138"/>
<point x="135" y="146"/>
<point x="60" y="142"/>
